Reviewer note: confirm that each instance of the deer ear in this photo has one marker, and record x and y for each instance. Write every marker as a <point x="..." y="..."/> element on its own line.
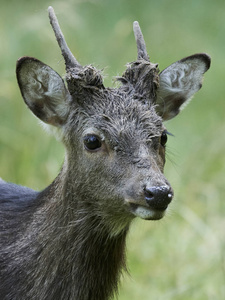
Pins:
<point x="43" y="90"/>
<point x="179" y="82"/>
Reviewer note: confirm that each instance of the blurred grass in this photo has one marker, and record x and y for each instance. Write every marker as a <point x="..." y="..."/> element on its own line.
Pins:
<point x="182" y="256"/>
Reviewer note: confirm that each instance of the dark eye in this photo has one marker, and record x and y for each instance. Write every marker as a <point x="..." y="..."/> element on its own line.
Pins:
<point x="164" y="138"/>
<point x="92" y="142"/>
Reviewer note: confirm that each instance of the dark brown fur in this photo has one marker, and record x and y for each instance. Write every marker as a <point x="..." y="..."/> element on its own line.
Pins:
<point x="68" y="241"/>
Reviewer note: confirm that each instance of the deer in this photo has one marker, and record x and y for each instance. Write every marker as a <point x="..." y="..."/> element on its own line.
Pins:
<point x="68" y="241"/>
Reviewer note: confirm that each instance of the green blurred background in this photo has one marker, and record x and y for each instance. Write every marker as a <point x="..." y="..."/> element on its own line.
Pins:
<point x="182" y="256"/>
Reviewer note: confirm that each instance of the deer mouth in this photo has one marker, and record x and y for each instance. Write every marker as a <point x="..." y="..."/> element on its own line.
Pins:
<point x="151" y="203"/>
<point x="147" y="213"/>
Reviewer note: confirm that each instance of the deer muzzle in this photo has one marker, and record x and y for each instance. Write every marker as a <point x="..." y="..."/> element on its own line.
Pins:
<point x="158" y="197"/>
<point x="151" y="203"/>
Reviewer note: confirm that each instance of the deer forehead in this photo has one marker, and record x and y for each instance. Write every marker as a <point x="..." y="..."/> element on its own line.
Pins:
<point x="118" y="118"/>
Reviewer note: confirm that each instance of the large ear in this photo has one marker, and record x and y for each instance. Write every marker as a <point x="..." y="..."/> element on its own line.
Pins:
<point x="43" y="90"/>
<point x="179" y="82"/>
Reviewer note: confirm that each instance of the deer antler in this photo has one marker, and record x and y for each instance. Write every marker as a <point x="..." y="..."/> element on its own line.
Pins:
<point x="141" y="47"/>
<point x="70" y="60"/>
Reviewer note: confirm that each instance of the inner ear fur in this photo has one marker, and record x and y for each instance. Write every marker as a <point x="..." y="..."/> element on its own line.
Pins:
<point x="179" y="82"/>
<point x="43" y="90"/>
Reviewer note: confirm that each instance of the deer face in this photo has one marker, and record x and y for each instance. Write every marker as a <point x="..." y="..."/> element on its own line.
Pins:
<point x="120" y="150"/>
<point x="115" y="138"/>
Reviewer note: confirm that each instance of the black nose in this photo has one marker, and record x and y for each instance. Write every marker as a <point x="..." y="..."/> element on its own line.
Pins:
<point x="158" y="197"/>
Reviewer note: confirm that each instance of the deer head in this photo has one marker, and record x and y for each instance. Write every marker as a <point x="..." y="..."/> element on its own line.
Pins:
<point x="115" y="139"/>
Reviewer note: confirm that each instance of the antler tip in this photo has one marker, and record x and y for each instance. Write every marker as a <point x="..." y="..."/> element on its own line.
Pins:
<point x="50" y="10"/>
<point x="135" y="24"/>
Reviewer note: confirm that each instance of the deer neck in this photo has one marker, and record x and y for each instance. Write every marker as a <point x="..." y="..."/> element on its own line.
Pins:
<point x="77" y="254"/>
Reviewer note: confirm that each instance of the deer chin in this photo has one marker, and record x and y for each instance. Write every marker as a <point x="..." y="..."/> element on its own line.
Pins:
<point x="147" y="213"/>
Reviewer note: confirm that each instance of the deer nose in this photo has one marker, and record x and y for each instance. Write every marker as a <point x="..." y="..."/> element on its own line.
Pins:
<point x="158" y="197"/>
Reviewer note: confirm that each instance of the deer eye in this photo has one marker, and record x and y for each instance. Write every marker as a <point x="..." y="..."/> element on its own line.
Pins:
<point x="92" y="142"/>
<point x="164" y="138"/>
